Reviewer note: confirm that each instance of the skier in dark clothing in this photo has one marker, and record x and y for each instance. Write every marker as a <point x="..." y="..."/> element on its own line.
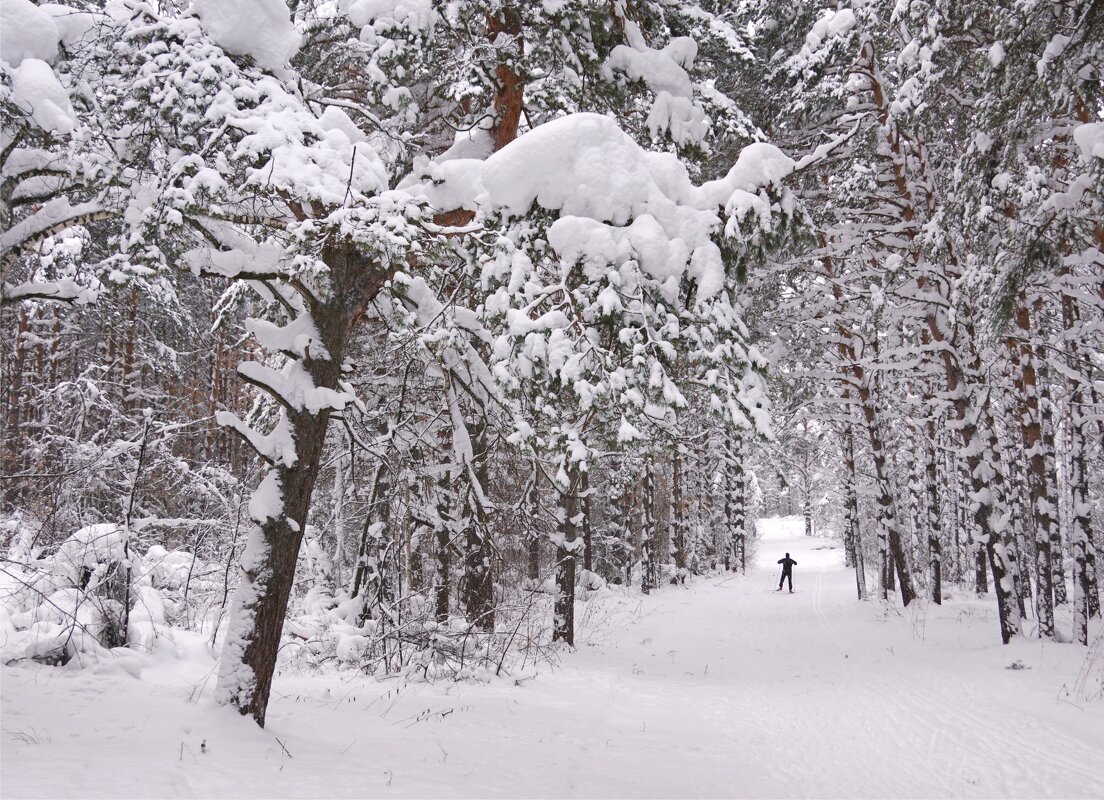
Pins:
<point x="787" y="572"/>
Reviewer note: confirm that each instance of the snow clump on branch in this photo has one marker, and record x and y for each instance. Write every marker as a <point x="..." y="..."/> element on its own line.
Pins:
<point x="616" y="200"/>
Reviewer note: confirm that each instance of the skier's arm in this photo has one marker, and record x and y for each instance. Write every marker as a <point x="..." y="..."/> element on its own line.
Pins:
<point x="781" y="560"/>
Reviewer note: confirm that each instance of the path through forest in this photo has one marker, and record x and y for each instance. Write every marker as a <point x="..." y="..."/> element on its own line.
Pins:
<point x="724" y="689"/>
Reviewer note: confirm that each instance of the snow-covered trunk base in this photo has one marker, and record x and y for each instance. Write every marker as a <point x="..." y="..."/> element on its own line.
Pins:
<point x="735" y="501"/>
<point x="934" y="520"/>
<point x="478" y="584"/>
<point x="992" y="526"/>
<point x="257" y="618"/>
<point x="1041" y="507"/>
<point x="1050" y="472"/>
<point x="563" y="625"/>
<point x="678" y="514"/>
<point x="533" y="533"/>
<point x="893" y="551"/>
<point x="648" y="577"/>
<point x="1081" y="524"/>
<point x="1080" y="504"/>
<point x="854" y="532"/>
<point x="268" y="573"/>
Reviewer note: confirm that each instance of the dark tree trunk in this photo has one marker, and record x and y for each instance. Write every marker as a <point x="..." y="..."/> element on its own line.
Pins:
<point x="268" y="563"/>
<point x="1047" y="445"/>
<point x="1038" y="484"/>
<point x="735" y="482"/>
<point x="981" y="578"/>
<point x="479" y="552"/>
<point x="532" y="535"/>
<point x="935" y="539"/>
<point x="678" y="511"/>
<point x="854" y="532"/>
<point x="889" y="532"/>
<point x="442" y="552"/>
<point x="563" y="627"/>
<point x="648" y="531"/>
<point x="269" y="572"/>
<point x="1081" y="517"/>
<point x="369" y="565"/>
<point x="588" y="534"/>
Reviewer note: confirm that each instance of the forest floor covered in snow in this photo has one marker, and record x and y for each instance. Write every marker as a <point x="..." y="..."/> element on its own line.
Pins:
<point x="725" y="688"/>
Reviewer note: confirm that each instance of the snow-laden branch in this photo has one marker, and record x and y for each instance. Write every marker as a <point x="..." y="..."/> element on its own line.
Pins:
<point x="66" y="290"/>
<point x="293" y="387"/>
<point x="55" y="216"/>
<point x="276" y="448"/>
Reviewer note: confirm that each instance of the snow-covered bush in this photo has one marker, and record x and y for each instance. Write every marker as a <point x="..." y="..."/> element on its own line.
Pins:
<point x="93" y="593"/>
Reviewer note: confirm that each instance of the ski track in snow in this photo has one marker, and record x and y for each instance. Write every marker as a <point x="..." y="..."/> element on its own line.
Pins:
<point x="727" y="688"/>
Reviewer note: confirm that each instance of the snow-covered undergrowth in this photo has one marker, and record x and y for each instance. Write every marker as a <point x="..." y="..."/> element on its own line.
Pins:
<point x="91" y="595"/>
<point x="92" y="602"/>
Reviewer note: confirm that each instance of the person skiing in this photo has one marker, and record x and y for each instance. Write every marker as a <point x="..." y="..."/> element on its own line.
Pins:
<point x="787" y="572"/>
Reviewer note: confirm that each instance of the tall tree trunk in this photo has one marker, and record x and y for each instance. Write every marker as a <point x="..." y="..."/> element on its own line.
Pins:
<point x="442" y="549"/>
<point x="985" y="472"/>
<point x="648" y="530"/>
<point x="1042" y="507"/>
<point x="1081" y="507"/>
<point x="14" y="444"/>
<point x="280" y="505"/>
<point x="563" y="627"/>
<point x="1048" y="438"/>
<point x="934" y="518"/>
<point x="735" y="482"/>
<point x="367" y="564"/>
<point x="965" y="385"/>
<point x="981" y="574"/>
<point x="854" y="532"/>
<point x="129" y="376"/>
<point x="532" y="534"/>
<point x="889" y="536"/>
<point x="1016" y="522"/>
<point x="678" y="513"/>
<point x="479" y="550"/>
<point x="588" y="532"/>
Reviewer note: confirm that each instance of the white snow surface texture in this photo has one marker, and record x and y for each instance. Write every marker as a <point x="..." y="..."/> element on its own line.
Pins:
<point x="29" y="39"/>
<point x="723" y="689"/>
<point x="616" y="201"/>
<point x="260" y="29"/>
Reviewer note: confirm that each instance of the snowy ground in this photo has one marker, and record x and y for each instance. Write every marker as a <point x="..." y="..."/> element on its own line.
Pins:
<point x="723" y="689"/>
